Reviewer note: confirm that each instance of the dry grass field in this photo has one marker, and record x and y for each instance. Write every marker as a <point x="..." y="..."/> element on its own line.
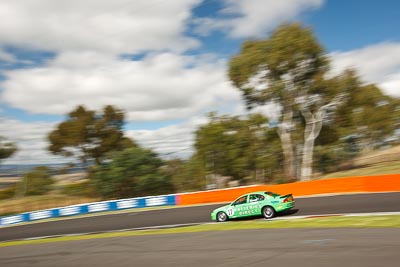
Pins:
<point x="30" y="203"/>
<point x="52" y="200"/>
<point x="375" y="163"/>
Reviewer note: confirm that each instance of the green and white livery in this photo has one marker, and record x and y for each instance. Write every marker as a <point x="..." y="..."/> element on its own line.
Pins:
<point x="266" y="204"/>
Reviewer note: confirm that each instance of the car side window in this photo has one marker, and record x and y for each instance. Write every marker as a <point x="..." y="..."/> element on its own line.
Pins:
<point x="256" y="197"/>
<point x="241" y="200"/>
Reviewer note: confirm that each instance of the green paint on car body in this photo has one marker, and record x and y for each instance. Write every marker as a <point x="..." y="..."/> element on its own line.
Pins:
<point x="254" y="204"/>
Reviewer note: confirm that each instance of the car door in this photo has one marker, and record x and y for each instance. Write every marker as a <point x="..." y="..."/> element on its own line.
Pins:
<point x="239" y="206"/>
<point x="234" y="210"/>
<point x="255" y="204"/>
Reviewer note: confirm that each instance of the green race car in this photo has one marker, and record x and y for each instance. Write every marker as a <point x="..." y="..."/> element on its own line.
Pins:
<point x="266" y="204"/>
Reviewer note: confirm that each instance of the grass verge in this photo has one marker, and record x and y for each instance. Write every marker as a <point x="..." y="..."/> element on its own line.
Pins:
<point x="385" y="221"/>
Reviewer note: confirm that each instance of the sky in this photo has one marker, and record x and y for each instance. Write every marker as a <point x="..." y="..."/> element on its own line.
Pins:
<point x="163" y="62"/>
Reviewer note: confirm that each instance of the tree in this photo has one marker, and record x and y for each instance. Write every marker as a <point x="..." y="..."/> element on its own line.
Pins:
<point x="131" y="172"/>
<point x="315" y="109"/>
<point x="371" y="118"/>
<point x="36" y="182"/>
<point x="235" y="147"/>
<point x="366" y="121"/>
<point x="186" y="175"/>
<point x="288" y="69"/>
<point x="89" y="136"/>
<point x="7" y="149"/>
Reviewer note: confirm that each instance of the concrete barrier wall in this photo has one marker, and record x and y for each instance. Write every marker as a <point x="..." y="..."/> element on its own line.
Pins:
<point x="381" y="183"/>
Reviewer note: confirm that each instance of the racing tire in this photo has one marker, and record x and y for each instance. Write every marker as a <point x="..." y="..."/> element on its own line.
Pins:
<point x="222" y="217"/>
<point x="268" y="212"/>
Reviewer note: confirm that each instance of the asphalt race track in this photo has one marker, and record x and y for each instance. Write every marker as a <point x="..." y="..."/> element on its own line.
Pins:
<point x="357" y="203"/>
<point x="258" y="247"/>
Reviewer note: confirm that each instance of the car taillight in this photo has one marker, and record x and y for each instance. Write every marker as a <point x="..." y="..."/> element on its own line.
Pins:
<point x="288" y="199"/>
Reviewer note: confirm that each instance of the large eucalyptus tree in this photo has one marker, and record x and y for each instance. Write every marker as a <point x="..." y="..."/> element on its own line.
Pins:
<point x="289" y="69"/>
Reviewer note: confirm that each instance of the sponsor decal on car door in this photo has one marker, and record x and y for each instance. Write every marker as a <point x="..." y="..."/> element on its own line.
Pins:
<point x="250" y="207"/>
<point x="238" y="205"/>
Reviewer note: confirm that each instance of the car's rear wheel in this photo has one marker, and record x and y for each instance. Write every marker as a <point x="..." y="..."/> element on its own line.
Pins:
<point x="222" y="217"/>
<point x="268" y="212"/>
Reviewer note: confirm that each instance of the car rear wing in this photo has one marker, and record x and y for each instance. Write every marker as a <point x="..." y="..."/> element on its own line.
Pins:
<point x="287" y="198"/>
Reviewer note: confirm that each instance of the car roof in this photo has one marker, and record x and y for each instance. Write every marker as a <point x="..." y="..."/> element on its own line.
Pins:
<point x="258" y="192"/>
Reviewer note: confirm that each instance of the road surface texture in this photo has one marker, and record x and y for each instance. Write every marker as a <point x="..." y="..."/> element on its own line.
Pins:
<point x="358" y="203"/>
<point x="266" y="247"/>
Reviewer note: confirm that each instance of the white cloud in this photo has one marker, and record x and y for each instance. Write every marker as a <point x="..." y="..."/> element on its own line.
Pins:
<point x="30" y="138"/>
<point x="392" y="85"/>
<point x="171" y="141"/>
<point x="159" y="87"/>
<point x="116" y="26"/>
<point x="378" y="63"/>
<point x="253" y="18"/>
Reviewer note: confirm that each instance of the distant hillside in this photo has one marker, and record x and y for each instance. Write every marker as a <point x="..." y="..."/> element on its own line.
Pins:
<point x="8" y="170"/>
<point x="378" y="162"/>
<point x="378" y="156"/>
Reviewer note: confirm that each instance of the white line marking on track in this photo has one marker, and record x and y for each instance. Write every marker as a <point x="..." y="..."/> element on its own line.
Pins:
<point x="335" y="215"/>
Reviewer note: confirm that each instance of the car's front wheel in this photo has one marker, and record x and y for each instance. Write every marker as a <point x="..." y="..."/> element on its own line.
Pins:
<point x="268" y="212"/>
<point x="222" y="217"/>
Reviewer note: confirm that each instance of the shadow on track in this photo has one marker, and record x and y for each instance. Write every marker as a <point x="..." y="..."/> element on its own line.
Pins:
<point x="279" y="214"/>
<point x="288" y="212"/>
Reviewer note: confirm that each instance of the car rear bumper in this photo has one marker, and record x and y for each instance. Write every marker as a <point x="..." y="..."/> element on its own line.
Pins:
<point x="285" y="206"/>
